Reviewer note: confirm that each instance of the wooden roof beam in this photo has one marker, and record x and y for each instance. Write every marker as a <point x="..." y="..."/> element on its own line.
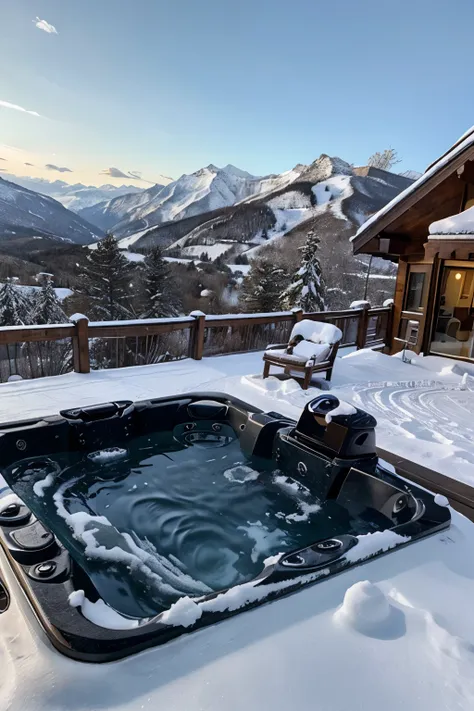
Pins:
<point x="466" y="172"/>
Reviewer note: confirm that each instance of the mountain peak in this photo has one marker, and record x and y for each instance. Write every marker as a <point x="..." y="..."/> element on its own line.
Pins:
<point x="324" y="168"/>
<point x="232" y="170"/>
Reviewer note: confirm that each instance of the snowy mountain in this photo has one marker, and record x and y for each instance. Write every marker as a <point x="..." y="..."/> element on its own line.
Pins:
<point x="83" y="197"/>
<point x="269" y="208"/>
<point x="27" y="213"/>
<point x="206" y="190"/>
<point x="74" y="197"/>
<point x="110" y="213"/>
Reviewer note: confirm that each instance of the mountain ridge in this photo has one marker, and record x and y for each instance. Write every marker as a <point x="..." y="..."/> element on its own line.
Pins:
<point x="75" y="196"/>
<point x="301" y="196"/>
<point x="27" y="212"/>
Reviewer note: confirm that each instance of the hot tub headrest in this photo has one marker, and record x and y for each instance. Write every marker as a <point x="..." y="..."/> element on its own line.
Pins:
<point x="337" y="426"/>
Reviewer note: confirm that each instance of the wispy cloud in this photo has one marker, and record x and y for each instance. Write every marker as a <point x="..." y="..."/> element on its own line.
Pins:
<point x="15" y="107"/>
<point x="31" y="164"/>
<point x="45" y="26"/>
<point x="3" y="159"/>
<point x="60" y="169"/>
<point x="116" y="173"/>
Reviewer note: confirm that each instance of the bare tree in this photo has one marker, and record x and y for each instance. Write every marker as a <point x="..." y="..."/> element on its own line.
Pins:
<point x="384" y="160"/>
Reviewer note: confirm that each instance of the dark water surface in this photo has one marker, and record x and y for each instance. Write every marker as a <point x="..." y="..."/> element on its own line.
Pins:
<point x="164" y="518"/>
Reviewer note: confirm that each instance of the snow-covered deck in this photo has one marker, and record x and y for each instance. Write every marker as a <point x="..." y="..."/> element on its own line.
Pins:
<point x="424" y="410"/>
<point x="405" y="640"/>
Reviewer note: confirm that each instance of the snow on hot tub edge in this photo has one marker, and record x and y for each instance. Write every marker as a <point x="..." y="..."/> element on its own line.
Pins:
<point x="187" y="611"/>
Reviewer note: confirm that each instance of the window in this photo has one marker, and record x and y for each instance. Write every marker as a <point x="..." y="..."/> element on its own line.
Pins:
<point x="415" y="291"/>
<point x="469" y="200"/>
<point x="466" y="290"/>
<point x="453" y="332"/>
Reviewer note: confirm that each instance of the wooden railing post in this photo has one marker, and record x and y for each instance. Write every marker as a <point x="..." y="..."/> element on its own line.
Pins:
<point x="362" y="326"/>
<point x="80" y="344"/>
<point x="197" y="339"/>
<point x="298" y="314"/>
<point x="388" y="328"/>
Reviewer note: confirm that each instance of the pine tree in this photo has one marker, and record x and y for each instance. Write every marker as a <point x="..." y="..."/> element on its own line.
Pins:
<point x="47" y="307"/>
<point x="105" y="281"/>
<point x="308" y="290"/>
<point x="262" y="287"/>
<point x="161" y="299"/>
<point x="16" y="307"/>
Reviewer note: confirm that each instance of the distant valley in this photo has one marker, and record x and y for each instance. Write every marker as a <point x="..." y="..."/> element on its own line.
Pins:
<point x="222" y="215"/>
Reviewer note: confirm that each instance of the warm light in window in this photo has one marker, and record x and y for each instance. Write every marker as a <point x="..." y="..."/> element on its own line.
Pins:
<point x="458" y="276"/>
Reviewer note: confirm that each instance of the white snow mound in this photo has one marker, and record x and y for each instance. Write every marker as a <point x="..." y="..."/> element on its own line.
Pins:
<point x="365" y="607"/>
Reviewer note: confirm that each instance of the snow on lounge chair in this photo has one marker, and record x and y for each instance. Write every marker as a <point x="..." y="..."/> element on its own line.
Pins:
<point x="312" y="349"/>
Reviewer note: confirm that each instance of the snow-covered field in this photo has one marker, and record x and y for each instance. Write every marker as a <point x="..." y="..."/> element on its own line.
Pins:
<point x="390" y="634"/>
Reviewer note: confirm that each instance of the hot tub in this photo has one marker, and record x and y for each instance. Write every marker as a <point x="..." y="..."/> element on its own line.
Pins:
<point x="130" y="523"/>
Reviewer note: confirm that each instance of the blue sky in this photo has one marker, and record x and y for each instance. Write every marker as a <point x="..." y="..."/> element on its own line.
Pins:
<point x="167" y="86"/>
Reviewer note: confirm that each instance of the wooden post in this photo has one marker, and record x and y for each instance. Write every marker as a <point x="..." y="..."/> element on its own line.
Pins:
<point x="298" y="314"/>
<point x="362" y="326"/>
<point x="388" y="332"/>
<point x="80" y="344"/>
<point x="197" y="340"/>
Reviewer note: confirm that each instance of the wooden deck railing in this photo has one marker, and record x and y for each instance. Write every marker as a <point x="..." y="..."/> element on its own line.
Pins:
<point x="34" y="351"/>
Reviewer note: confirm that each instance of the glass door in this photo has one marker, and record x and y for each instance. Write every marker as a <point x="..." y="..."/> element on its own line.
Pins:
<point x="453" y="332"/>
<point x="413" y="313"/>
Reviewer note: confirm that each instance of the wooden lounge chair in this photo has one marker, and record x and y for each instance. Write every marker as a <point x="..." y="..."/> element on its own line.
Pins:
<point x="312" y="349"/>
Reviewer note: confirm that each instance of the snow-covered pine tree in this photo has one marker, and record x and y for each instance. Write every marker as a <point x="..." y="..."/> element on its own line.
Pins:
<point x="307" y="290"/>
<point x="47" y="307"/>
<point x="105" y="281"/>
<point x="263" y="286"/>
<point x="16" y="307"/>
<point x="160" y="297"/>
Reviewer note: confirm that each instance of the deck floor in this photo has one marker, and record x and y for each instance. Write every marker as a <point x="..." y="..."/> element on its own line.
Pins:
<point x="424" y="411"/>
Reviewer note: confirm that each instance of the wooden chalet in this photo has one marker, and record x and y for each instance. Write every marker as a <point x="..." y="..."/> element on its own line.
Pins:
<point x="429" y="230"/>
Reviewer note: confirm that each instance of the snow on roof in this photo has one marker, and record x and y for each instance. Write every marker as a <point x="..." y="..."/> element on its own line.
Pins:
<point x="460" y="225"/>
<point x="461" y="144"/>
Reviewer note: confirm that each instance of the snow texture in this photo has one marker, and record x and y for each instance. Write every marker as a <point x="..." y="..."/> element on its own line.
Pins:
<point x="317" y="331"/>
<point x="343" y="408"/>
<point x="108" y="455"/>
<point x="312" y="351"/>
<point x="372" y="543"/>
<point x="8" y="499"/>
<point x="241" y="473"/>
<point x="307" y="510"/>
<point x="365" y="608"/>
<point x="40" y="486"/>
<point x="101" y="614"/>
<point x="461" y="225"/>
<point x="361" y="304"/>
<point x="78" y="317"/>
<point x="264" y="540"/>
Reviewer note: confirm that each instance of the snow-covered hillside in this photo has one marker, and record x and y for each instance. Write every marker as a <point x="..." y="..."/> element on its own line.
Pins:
<point x="80" y="198"/>
<point x="75" y="197"/>
<point x="107" y="215"/>
<point x="206" y="190"/>
<point x="327" y="186"/>
<point x="27" y="213"/>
